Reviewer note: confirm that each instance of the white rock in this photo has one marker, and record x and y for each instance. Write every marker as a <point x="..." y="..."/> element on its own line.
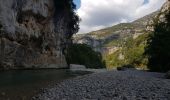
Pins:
<point x="77" y="67"/>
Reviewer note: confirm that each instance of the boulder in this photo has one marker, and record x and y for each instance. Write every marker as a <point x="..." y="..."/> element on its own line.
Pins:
<point x="77" y="67"/>
<point x="121" y="68"/>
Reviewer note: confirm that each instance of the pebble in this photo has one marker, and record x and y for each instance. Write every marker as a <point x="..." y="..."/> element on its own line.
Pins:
<point x="112" y="85"/>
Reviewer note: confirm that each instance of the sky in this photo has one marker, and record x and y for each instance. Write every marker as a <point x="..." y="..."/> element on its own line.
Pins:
<point x="98" y="14"/>
<point x="78" y="3"/>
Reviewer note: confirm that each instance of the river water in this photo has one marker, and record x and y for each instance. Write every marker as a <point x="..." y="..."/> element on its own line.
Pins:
<point x="23" y="84"/>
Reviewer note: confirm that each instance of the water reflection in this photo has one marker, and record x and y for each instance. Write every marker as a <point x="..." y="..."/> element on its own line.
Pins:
<point x="23" y="84"/>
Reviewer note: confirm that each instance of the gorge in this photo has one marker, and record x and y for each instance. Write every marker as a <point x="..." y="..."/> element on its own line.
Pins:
<point x="42" y="59"/>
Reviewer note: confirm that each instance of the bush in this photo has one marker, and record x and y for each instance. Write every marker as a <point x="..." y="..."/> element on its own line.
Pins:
<point x="133" y="52"/>
<point x="128" y="66"/>
<point x="159" y="46"/>
<point x="84" y="55"/>
<point x="120" y="68"/>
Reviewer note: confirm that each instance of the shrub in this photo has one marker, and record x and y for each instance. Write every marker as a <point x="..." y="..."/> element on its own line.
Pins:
<point x="133" y="52"/>
<point x="159" y="46"/>
<point x="128" y="66"/>
<point x="84" y="55"/>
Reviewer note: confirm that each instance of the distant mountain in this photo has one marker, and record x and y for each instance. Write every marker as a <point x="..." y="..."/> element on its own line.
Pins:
<point x="104" y="37"/>
<point x="120" y="44"/>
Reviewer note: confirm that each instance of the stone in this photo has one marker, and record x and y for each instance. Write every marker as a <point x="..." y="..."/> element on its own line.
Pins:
<point x="126" y="85"/>
<point x="3" y="93"/>
<point x="167" y="75"/>
<point x="121" y="68"/>
<point x="77" y="67"/>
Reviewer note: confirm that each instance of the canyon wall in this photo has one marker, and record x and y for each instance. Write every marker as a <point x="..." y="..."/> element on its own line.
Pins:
<point x="33" y="34"/>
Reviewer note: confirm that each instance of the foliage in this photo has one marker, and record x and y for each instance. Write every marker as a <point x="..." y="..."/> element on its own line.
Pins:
<point x="158" y="48"/>
<point x="113" y="60"/>
<point x="113" y="43"/>
<point x="132" y="50"/>
<point x="112" y="30"/>
<point x="84" y="55"/>
<point x="62" y="6"/>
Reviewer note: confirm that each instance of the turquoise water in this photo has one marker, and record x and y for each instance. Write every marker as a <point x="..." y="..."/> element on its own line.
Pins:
<point x="23" y="84"/>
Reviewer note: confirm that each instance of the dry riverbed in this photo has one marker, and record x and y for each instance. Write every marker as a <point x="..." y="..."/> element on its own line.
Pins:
<point x="111" y="85"/>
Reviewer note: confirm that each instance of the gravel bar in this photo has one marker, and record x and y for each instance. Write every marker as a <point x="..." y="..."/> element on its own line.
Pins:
<point x="111" y="85"/>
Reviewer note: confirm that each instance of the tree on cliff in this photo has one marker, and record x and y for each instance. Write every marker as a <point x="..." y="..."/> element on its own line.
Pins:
<point x="73" y="19"/>
<point x="158" y="49"/>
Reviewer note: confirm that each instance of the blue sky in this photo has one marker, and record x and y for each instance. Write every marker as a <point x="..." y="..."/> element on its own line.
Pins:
<point x="77" y="2"/>
<point x="146" y="1"/>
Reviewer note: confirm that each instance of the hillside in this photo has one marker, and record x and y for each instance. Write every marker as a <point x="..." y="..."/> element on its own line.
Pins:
<point x="122" y="30"/>
<point x="121" y="44"/>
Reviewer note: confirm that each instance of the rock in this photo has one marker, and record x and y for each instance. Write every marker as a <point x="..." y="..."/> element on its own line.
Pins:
<point x="167" y="75"/>
<point x="121" y="68"/>
<point x="112" y="85"/>
<point x="33" y="34"/>
<point x="164" y="10"/>
<point x="126" y="67"/>
<point x="3" y="93"/>
<point x="77" y="67"/>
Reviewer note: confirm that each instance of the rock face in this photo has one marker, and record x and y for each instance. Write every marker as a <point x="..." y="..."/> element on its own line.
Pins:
<point x="32" y="34"/>
<point x="164" y="10"/>
<point x="160" y="17"/>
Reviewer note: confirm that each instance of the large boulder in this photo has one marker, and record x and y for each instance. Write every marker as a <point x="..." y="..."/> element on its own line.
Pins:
<point x="77" y="67"/>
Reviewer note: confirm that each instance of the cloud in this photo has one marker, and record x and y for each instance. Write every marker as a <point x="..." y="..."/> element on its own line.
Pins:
<point x="97" y="14"/>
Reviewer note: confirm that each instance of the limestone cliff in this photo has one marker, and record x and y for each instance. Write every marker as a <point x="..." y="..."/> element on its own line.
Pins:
<point x="160" y="17"/>
<point x="33" y="34"/>
<point x="164" y="10"/>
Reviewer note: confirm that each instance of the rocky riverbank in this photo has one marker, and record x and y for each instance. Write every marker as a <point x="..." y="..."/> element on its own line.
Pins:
<point x="117" y="85"/>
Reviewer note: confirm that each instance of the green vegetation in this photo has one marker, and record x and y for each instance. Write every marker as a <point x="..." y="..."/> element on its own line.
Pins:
<point x="84" y="55"/>
<point x="113" y="60"/>
<point x="131" y="50"/>
<point x="158" y="48"/>
<point x="115" y="42"/>
<point x="108" y="31"/>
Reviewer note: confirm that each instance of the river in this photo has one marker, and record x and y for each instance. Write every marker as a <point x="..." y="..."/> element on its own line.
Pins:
<point x="23" y="84"/>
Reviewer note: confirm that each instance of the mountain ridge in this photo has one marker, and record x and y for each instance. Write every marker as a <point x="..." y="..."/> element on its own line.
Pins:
<point x="120" y="44"/>
<point x="123" y="30"/>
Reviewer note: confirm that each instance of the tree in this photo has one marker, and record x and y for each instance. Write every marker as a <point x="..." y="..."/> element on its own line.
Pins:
<point x="84" y="55"/>
<point x="158" y="46"/>
<point x="63" y="6"/>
